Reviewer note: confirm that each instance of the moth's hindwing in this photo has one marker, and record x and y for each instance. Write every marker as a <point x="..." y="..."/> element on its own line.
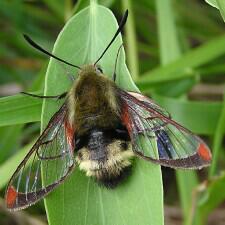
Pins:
<point x="54" y="151"/>
<point x="156" y="137"/>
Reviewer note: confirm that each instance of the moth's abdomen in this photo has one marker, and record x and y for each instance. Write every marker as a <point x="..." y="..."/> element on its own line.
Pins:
<point x="105" y="155"/>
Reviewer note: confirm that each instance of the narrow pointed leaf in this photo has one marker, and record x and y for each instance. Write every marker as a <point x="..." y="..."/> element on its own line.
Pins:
<point x="19" y="109"/>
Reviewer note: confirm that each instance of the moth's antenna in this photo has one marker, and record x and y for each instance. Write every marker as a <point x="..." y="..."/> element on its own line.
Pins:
<point x="121" y="25"/>
<point x="38" y="47"/>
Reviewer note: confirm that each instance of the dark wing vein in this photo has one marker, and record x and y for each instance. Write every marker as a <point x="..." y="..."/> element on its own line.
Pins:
<point x="155" y="136"/>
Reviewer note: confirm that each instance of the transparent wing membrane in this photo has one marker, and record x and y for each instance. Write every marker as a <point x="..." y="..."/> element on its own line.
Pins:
<point x="157" y="138"/>
<point x="50" y="160"/>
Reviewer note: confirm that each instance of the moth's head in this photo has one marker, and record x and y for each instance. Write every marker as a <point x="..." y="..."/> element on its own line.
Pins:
<point x="90" y="70"/>
<point x="95" y="69"/>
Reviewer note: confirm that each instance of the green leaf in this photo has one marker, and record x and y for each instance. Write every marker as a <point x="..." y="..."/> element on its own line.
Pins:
<point x="212" y="3"/>
<point x="81" y="4"/>
<point x="19" y="109"/>
<point x="8" y="167"/>
<point x="57" y="7"/>
<point x="79" y="200"/>
<point x="219" y="4"/>
<point x="168" y="38"/>
<point x="170" y="48"/>
<point x="180" y="68"/>
<point x="9" y="140"/>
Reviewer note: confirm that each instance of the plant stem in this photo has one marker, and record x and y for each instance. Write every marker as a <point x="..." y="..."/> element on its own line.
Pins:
<point x="132" y="56"/>
<point x="218" y="139"/>
<point x="68" y="9"/>
<point x="93" y="2"/>
<point x="169" y="51"/>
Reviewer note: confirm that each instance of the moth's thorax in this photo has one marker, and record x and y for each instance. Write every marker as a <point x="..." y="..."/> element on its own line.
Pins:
<point x="93" y="101"/>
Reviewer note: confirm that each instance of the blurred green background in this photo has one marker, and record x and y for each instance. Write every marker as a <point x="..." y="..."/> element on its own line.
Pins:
<point x="175" y="52"/>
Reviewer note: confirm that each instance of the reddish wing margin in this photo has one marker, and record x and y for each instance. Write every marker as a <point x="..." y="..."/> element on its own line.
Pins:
<point x="53" y="151"/>
<point x="158" y="138"/>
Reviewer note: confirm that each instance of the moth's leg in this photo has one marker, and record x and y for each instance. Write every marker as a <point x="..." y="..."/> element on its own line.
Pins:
<point x="114" y="76"/>
<point x="117" y="55"/>
<point x="63" y="95"/>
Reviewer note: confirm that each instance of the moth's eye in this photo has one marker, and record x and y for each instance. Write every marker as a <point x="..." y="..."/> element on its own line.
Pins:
<point x="99" y="69"/>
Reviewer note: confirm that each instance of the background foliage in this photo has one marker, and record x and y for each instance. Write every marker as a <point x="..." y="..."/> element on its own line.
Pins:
<point x="175" y="53"/>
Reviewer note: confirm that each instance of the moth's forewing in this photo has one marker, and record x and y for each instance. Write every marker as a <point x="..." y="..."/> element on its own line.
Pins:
<point x="168" y="143"/>
<point x="54" y="147"/>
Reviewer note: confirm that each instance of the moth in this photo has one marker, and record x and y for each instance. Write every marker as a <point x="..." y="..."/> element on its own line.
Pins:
<point x="100" y="128"/>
